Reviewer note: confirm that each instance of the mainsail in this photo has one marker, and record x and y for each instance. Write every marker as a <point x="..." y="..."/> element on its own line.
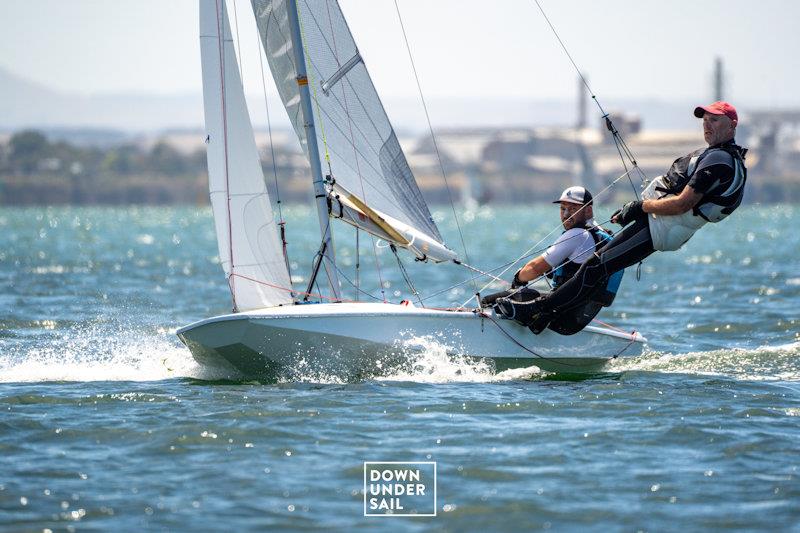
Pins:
<point x="357" y="145"/>
<point x="249" y="247"/>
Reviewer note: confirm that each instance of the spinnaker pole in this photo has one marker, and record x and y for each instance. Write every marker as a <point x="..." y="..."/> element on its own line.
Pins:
<point x="320" y="193"/>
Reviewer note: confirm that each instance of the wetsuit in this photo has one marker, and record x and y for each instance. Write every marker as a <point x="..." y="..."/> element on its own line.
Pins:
<point x="717" y="172"/>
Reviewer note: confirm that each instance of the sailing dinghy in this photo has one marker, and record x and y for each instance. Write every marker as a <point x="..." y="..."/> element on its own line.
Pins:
<point x="361" y="177"/>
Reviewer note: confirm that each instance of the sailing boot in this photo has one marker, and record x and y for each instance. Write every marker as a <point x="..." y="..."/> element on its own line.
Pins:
<point x="504" y="307"/>
<point x="490" y="299"/>
<point x="521" y="312"/>
<point x="540" y="322"/>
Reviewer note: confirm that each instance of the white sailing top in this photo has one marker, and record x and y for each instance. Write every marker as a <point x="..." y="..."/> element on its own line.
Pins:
<point x="575" y="245"/>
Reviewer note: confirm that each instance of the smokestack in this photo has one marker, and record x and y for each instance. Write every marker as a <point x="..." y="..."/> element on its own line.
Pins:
<point x="581" y="103"/>
<point x="719" y="79"/>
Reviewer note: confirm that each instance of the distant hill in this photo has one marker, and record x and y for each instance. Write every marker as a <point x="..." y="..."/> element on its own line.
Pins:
<point x="26" y="104"/>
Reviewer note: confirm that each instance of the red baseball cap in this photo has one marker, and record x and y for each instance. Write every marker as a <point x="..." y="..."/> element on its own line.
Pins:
<point x="717" y="108"/>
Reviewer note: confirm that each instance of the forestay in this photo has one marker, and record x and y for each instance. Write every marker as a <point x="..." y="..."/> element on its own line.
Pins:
<point x="249" y="247"/>
<point x="357" y="144"/>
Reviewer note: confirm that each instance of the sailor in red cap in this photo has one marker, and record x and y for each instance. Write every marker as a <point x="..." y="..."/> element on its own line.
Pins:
<point x="703" y="186"/>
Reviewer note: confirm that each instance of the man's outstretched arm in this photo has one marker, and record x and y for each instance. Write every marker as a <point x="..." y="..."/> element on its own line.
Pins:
<point x="673" y="205"/>
<point x="533" y="269"/>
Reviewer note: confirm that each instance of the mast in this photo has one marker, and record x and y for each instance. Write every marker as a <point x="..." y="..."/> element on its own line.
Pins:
<point x="313" y="150"/>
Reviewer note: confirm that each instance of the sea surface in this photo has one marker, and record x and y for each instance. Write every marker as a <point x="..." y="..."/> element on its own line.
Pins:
<point x="106" y="421"/>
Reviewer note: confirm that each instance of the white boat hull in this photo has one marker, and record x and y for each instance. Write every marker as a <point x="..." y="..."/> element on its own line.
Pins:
<point x="354" y="340"/>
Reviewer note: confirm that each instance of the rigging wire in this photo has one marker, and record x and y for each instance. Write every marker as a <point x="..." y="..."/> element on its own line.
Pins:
<point x="488" y="273"/>
<point x="313" y="85"/>
<point x="355" y="151"/>
<point x="622" y="146"/>
<point x="405" y="275"/>
<point x="619" y="142"/>
<point x="540" y="241"/>
<point x="433" y="136"/>
<point x="622" y="149"/>
<point x="358" y="262"/>
<point x="224" y="108"/>
<point x="358" y="289"/>
<point x="282" y="223"/>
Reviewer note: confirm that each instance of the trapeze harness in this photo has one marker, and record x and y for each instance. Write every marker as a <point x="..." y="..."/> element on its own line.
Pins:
<point x="606" y="293"/>
<point x="670" y="232"/>
<point x="520" y="305"/>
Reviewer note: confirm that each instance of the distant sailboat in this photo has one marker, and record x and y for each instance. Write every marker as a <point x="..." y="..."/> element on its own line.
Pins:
<point x="361" y="177"/>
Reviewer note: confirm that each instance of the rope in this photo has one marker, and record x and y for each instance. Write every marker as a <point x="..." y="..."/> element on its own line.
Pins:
<point x="518" y="343"/>
<point x="433" y="137"/>
<point x="609" y="326"/>
<point x="405" y="275"/>
<point x="451" y="287"/>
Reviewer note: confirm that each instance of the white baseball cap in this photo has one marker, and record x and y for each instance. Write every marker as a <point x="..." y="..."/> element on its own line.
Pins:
<point x="575" y="195"/>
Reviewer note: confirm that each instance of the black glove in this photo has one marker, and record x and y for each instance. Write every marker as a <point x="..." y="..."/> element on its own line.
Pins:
<point x="628" y="213"/>
<point x="516" y="283"/>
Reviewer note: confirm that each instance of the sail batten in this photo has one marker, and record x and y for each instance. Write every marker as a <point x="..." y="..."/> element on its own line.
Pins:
<point x="249" y="248"/>
<point x="355" y="136"/>
<point x="330" y="82"/>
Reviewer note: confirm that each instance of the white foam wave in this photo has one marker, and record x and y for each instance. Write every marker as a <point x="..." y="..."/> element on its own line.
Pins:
<point x="431" y="360"/>
<point x="778" y="362"/>
<point x="103" y="355"/>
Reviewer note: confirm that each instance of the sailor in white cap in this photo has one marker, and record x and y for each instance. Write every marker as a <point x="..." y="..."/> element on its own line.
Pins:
<point x="581" y="238"/>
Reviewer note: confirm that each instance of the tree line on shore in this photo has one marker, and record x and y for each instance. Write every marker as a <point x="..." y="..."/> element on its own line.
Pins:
<point x="35" y="170"/>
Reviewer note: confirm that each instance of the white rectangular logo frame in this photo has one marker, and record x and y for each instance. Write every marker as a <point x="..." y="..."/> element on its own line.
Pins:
<point x="400" y="463"/>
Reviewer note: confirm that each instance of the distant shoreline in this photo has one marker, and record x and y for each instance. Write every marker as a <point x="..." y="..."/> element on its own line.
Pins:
<point x="488" y="166"/>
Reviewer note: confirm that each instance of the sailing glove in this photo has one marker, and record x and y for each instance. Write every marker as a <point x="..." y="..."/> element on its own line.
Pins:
<point x="628" y="213"/>
<point x="516" y="283"/>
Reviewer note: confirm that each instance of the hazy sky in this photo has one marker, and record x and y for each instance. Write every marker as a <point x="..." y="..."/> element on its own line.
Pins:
<point x="629" y="48"/>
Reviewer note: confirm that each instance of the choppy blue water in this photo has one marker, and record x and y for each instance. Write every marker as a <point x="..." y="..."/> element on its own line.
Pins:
<point x="107" y="422"/>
